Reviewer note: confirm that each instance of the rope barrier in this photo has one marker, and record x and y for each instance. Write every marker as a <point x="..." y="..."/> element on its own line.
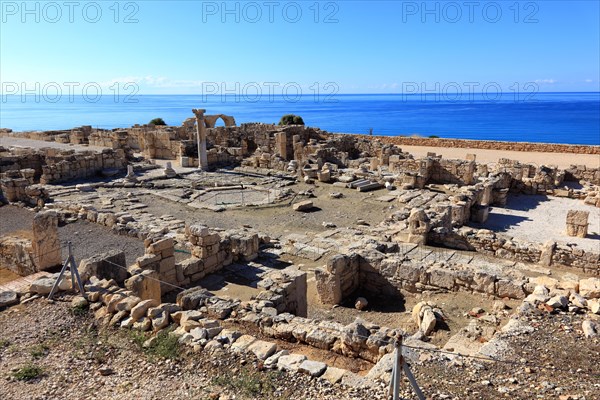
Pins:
<point x="389" y="340"/>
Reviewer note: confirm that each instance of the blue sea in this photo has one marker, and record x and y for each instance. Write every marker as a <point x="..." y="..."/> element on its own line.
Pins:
<point x="543" y="117"/>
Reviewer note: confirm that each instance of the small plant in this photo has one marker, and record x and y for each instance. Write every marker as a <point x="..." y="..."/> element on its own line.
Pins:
<point x="291" y="119"/>
<point x="4" y="343"/>
<point x="80" y="310"/>
<point x="138" y="338"/>
<point x="39" y="351"/>
<point x="250" y="383"/>
<point x="164" y="345"/>
<point x="157" y="121"/>
<point x="28" y="372"/>
<point x="433" y="137"/>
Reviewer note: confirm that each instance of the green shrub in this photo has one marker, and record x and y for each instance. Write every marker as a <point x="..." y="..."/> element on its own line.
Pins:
<point x="433" y="137"/>
<point x="164" y="345"/>
<point x="28" y="373"/>
<point x="80" y="310"/>
<point x="137" y="337"/>
<point x="39" y="351"/>
<point x="291" y="119"/>
<point x="157" y="121"/>
<point x="250" y="383"/>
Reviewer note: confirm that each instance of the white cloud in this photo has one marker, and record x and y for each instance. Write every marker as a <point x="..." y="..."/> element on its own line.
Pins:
<point x="545" y="81"/>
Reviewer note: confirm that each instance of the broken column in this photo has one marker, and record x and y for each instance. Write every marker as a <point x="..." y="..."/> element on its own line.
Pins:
<point x="201" y="129"/>
<point x="577" y="223"/>
<point x="324" y="175"/>
<point x="130" y="174"/>
<point x="46" y="245"/>
<point x="169" y="171"/>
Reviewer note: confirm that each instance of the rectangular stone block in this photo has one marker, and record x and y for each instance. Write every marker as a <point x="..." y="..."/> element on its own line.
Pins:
<point x="147" y="260"/>
<point x="167" y="264"/>
<point x="191" y="266"/>
<point x="161" y="245"/>
<point x="169" y="252"/>
<point x="210" y="263"/>
<point x="209" y="240"/>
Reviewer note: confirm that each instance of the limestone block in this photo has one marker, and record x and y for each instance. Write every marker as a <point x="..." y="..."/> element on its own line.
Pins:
<point x="109" y="265"/>
<point x="305" y="205"/>
<point x="167" y="265"/>
<point x="577" y="223"/>
<point x="590" y="288"/>
<point x="45" y="243"/>
<point x="157" y="247"/>
<point x="145" y="285"/>
<point x="328" y="287"/>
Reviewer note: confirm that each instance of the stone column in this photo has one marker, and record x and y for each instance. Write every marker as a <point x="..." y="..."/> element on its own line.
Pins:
<point x="45" y="244"/>
<point x="201" y="129"/>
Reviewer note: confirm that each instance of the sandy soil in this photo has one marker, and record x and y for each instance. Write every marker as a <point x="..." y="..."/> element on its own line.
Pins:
<point x="562" y="160"/>
<point x="538" y="218"/>
<point x="38" y="144"/>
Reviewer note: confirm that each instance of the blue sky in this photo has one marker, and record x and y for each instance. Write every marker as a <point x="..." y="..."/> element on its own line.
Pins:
<point x="193" y="47"/>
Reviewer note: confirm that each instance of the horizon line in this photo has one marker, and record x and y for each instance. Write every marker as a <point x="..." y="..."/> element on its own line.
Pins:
<point x="312" y="94"/>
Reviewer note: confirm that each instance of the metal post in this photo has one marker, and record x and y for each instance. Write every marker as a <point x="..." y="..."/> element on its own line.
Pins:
<point x="392" y="381"/>
<point x="75" y="273"/>
<point x="413" y="381"/>
<point x="62" y="272"/>
<point x="397" y="368"/>
<point x="70" y="262"/>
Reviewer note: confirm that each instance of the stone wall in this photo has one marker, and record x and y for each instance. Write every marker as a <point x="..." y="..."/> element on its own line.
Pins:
<point x="16" y="255"/>
<point x="285" y="291"/>
<point x="17" y="186"/>
<point x="389" y="274"/>
<point x="69" y="165"/>
<point x="339" y="279"/>
<point x="487" y="144"/>
<point x="358" y="339"/>
<point x="382" y="274"/>
<point x="509" y="248"/>
<point x="17" y="159"/>
<point x="210" y="250"/>
<point x="583" y="173"/>
<point x="40" y="252"/>
<point x="160" y="258"/>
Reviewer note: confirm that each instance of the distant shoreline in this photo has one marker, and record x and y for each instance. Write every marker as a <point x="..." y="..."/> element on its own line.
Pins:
<point x="559" y="118"/>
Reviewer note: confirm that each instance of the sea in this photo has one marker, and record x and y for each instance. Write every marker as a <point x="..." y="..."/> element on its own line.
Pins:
<point x="572" y="118"/>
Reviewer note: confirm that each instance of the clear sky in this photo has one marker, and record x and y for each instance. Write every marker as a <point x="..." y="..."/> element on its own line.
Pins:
<point x="192" y="47"/>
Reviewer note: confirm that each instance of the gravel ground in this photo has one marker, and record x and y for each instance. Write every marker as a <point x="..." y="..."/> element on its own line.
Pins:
<point x="13" y="218"/>
<point x="553" y="362"/>
<point x="71" y="351"/>
<point x="88" y="239"/>
<point x="282" y="220"/>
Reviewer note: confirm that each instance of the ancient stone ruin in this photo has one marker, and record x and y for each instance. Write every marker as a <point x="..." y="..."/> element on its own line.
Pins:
<point x="249" y="238"/>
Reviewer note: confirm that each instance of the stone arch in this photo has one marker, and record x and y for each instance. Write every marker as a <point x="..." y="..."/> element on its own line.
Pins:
<point x="211" y="120"/>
